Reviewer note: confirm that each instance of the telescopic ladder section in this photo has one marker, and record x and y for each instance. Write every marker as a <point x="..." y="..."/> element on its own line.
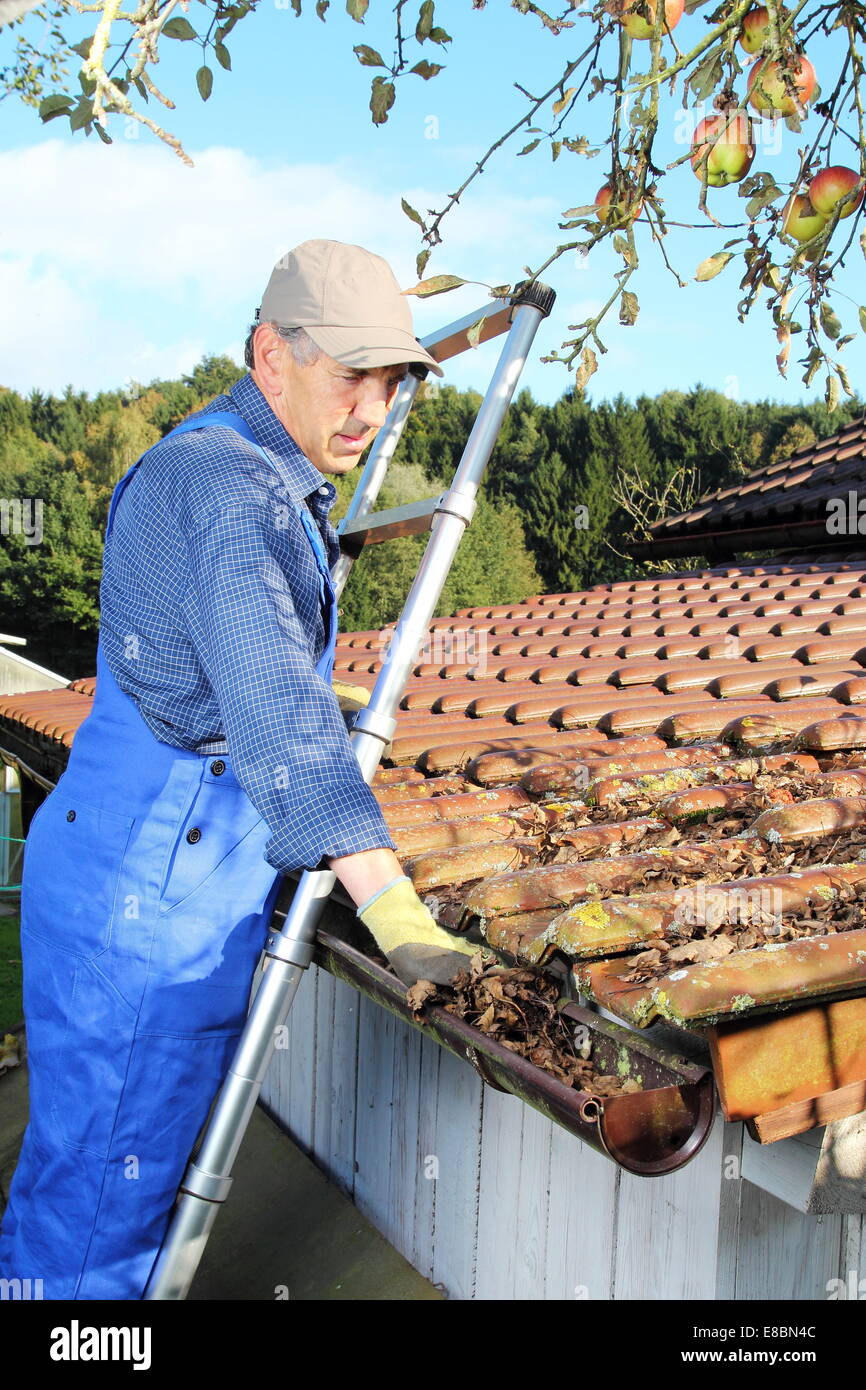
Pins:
<point x="289" y="952"/>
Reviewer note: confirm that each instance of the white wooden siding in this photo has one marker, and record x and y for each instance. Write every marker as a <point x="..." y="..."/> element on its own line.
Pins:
<point x="490" y="1200"/>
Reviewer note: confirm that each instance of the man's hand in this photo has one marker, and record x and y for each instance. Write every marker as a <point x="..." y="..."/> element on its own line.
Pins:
<point x="405" y="931"/>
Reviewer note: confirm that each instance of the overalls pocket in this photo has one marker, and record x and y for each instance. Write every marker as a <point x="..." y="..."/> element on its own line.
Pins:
<point x="73" y="858"/>
<point x="217" y="819"/>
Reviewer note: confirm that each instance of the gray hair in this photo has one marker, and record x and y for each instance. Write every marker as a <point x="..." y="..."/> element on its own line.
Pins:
<point x="301" y="345"/>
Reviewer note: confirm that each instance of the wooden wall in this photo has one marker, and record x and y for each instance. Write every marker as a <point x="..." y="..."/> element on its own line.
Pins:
<point x="490" y="1200"/>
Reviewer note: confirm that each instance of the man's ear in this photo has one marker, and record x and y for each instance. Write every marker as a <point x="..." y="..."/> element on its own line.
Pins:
<point x="268" y="353"/>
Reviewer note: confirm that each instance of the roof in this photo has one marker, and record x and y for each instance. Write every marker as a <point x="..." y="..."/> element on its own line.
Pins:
<point x="657" y="785"/>
<point x="782" y="505"/>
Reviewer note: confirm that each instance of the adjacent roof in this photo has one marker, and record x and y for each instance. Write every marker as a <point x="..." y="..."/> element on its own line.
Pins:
<point x="658" y="786"/>
<point x="782" y="505"/>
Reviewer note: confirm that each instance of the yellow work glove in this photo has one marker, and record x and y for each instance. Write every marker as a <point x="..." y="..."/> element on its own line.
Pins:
<point x="350" y="698"/>
<point x="406" y="932"/>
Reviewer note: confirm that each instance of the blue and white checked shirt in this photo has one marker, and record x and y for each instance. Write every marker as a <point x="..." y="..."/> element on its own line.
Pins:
<point x="211" y="620"/>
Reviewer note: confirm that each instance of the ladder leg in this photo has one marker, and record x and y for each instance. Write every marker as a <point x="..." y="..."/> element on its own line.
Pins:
<point x="207" y="1180"/>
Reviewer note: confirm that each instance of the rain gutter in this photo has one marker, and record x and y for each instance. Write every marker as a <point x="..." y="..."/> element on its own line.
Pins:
<point x="650" y="1132"/>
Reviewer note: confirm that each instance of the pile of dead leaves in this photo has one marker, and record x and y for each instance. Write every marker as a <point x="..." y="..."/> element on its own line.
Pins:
<point x="518" y="1009"/>
<point x="711" y="942"/>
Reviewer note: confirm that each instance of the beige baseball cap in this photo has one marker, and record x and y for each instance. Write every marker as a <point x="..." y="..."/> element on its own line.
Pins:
<point x="348" y="301"/>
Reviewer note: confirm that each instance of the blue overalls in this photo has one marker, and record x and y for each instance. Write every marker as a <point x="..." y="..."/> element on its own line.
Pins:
<point x="145" y="904"/>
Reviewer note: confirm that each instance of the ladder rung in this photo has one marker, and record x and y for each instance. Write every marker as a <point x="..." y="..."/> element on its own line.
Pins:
<point x="409" y="520"/>
<point x="449" y="341"/>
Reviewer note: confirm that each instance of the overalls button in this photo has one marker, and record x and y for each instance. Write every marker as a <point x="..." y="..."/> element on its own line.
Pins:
<point x="70" y="815"/>
<point x="218" y="768"/>
<point x="194" y="835"/>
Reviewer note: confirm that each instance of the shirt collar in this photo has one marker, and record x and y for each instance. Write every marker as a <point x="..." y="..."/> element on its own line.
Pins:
<point x="300" y="476"/>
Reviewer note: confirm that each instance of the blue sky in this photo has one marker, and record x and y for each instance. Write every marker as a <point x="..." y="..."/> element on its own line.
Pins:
<point x="119" y="263"/>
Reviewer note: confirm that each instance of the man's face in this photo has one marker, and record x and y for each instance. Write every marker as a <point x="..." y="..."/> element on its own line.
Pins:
<point x="332" y="411"/>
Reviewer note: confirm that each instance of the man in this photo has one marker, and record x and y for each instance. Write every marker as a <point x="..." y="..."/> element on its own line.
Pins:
<point x="215" y="759"/>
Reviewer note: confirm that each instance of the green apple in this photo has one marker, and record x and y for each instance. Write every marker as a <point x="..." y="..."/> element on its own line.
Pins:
<point x="754" y="29"/>
<point x="830" y="186"/>
<point x="635" y="23"/>
<point x="800" y="220"/>
<point x="766" y="85"/>
<point x="730" y="158"/>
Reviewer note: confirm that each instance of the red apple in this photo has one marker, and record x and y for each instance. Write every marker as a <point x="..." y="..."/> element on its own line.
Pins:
<point x="800" y="220"/>
<point x="621" y="212"/>
<point x="767" y="88"/>
<point x="730" y="158"/>
<point x="635" y="23"/>
<point x="754" y="29"/>
<point x="829" y="187"/>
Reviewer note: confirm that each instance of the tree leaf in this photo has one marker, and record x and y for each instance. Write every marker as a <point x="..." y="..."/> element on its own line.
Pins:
<point x="204" y="82"/>
<point x="813" y="362"/>
<point x="628" y="308"/>
<point x="411" y="213"/>
<point x="59" y="105"/>
<point x="82" y="115"/>
<point x="368" y="57"/>
<point x="426" y="70"/>
<point x="710" y="268"/>
<point x="321" y="7"/>
<point x="103" y="134"/>
<point x="578" y="144"/>
<point x="845" y="379"/>
<point x="831" y="393"/>
<point x="425" y="21"/>
<point x="357" y="9"/>
<point x="224" y="58"/>
<point x="381" y="99"/>
<point x="555" y="147"/>
<point x="473" y="332"/>
<point x="437" y="284"/>
<point x="706" y="75"/>
<point x="421" y="261"/>
<point x="178" y="28"/>
<point x="527" y="149"/>
<point x="438" y="35"/>
<point x="588" y="367"/>
<point x="783" y="334"/>
<point x="82" y="48"/>
<point x="622" y="248"/>
<point x="829" y="322"/>
<point x="588" y="210"/>
<point x="563" y="101"/>
<point x="765" y="195"/>
<point x="862" y="314"/>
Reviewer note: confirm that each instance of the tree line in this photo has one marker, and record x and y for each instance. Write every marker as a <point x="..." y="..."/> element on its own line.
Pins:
<point x="554" y="515"/>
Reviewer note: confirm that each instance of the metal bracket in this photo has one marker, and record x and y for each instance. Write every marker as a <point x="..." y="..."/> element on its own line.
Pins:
<point x="474" y="1057"/>
<point x="208" y="1186"/>
<point x="457" y="504"/>
<point x="371" y="721"/>
<point x="290" y="949"/>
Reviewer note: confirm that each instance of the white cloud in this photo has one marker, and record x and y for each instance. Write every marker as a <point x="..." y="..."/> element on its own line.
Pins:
<point x="123" y="263"/>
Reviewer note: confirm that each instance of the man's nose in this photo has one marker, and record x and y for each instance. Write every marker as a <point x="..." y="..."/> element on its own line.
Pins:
<point x="371" y="409"/>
